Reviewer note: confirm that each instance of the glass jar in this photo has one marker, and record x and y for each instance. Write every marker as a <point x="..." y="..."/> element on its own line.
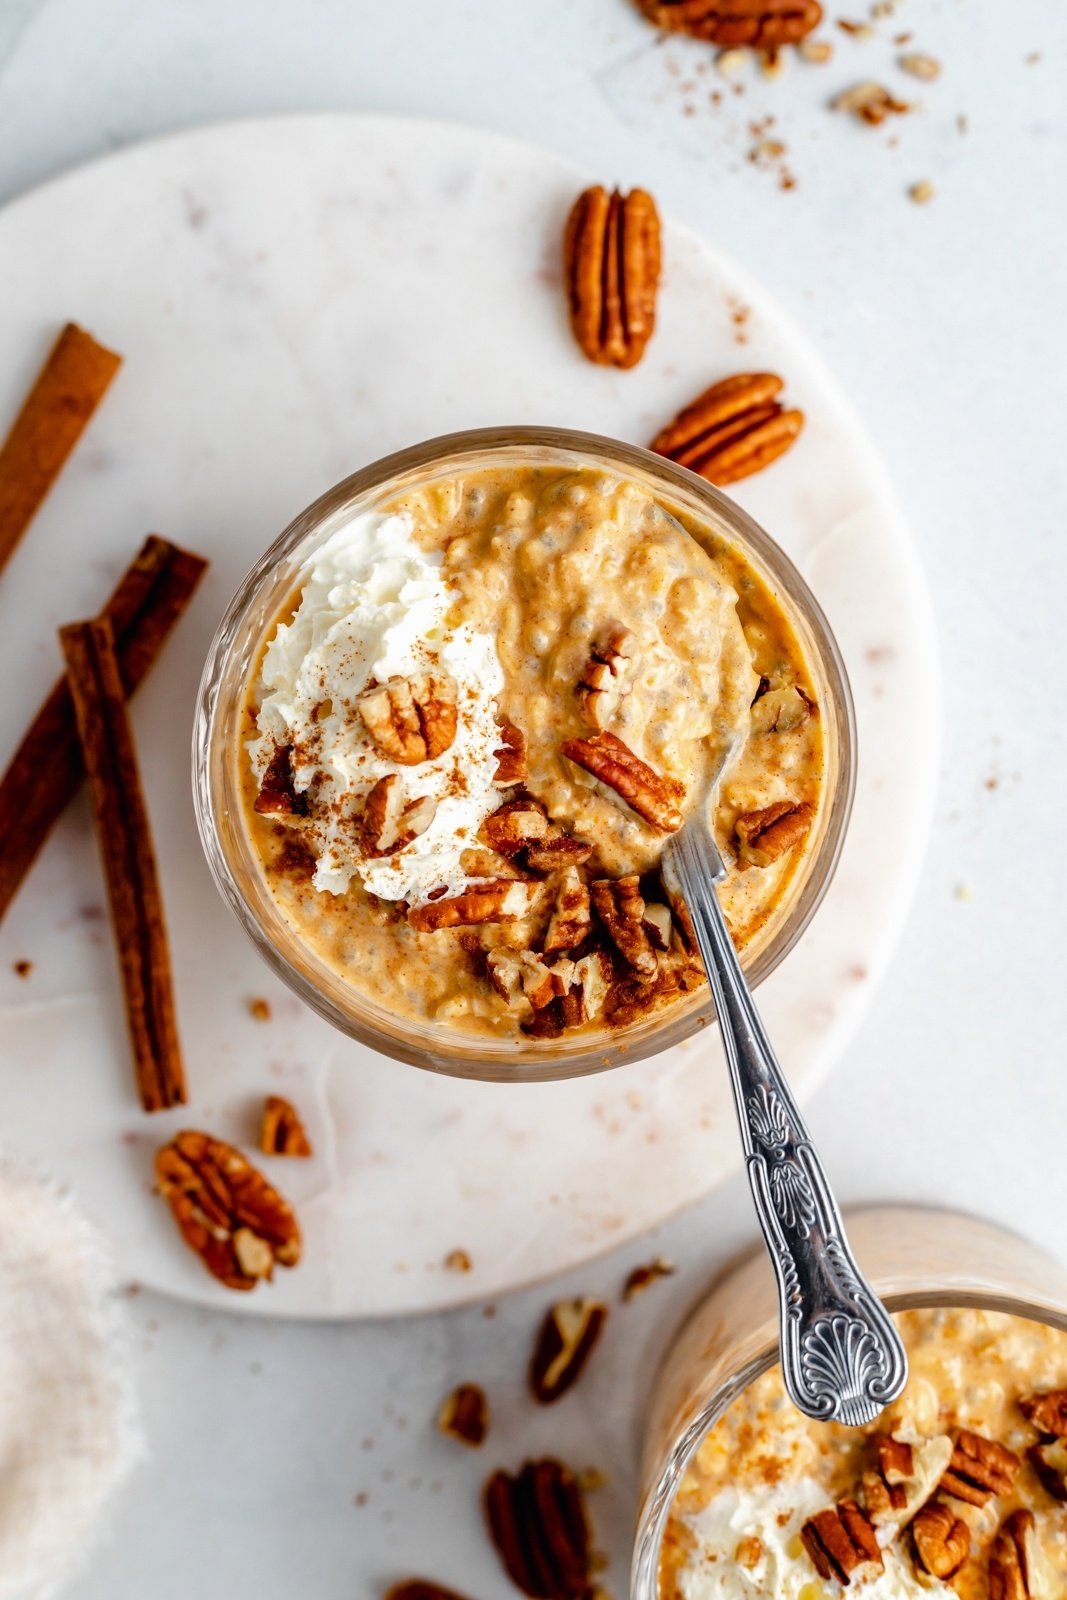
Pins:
<point x="915" y="1257"/>
<point x="234" y="655"/>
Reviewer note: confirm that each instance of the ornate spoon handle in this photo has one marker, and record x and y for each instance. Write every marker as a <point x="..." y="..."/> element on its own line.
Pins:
<point x="842" y="1358"/>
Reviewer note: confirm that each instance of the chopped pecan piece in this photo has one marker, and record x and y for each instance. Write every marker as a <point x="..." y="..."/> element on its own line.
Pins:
<point x="1047" y="1412"/>
<point x="538" y="1524"/>
<point x="642" y="1278"/>
<point x="871" y="103"/>
<point x="389" y="823"/>
<point x="278" y="796"/>
<point x="732" y="430"/>
<point x="514" y="825"/>
<point x="767" y="834"/>
<point x="611" y="261"/>
<point x="227" y="1212"/>
<point x="1049" y="1461"/>
<point x="281" y="1132"/>
<point x="657" y="925"/>
<point x="420" y="1589"/>
<point x="842" y="1543"/>
<point x="497" y="900"/>
<point x="510" y="756"/>
<point x="942" y="1540"/>
<point x="907" y="1476"/>
<point x="780" y="710"/>
<point x="1018" y="1567"/>
<point x="524" y="980"/>
<point x="557" y="851"/>
<point x="605" y="679"/>
<point x="464" y="1415"/>
<point x="619" y="905"/>
<point x="411" y="719"/>
<point x="585" y="998"/>
<point x="564" y="1344"/>
<point x="570" y="920"/>
<point x="761" y="24"/>
<point x="504" y="969"/>
<point x="655" y="798"/>
<point x="979" y="1468"/>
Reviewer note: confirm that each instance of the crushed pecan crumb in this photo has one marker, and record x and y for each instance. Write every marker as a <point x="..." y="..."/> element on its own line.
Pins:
<point x="611" y="262"/>
<point x="871" y="103"/>
<point x="920" y="66"/>
<point x="281" y="1131"/>
<point x="464" y="1415"/>
<point x="458" y="1261"/>
<point x="732" y="430"/>
<point x="642" y="1278"/>
<point x="564" y="1344"/>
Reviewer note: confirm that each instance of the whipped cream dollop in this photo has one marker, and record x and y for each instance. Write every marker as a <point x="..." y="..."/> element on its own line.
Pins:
<point x="376" y="607"/>
<point x="774" y="1515"/>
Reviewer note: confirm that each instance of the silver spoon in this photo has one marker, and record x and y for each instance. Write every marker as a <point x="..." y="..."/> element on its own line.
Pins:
<point x="842" y="1357"/>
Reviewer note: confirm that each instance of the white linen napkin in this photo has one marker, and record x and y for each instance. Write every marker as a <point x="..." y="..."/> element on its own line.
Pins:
<point x="68" y="1424"/>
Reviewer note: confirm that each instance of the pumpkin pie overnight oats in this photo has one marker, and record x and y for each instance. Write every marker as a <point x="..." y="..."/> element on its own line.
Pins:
<point x="484" y="708"/>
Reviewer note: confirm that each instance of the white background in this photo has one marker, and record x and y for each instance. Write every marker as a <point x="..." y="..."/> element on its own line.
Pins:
<point x="945" y="322"/>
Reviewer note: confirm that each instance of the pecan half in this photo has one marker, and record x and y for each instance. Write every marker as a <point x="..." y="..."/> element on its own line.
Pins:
<point x="538" y="1524"/>
<point x="907" y="1476"/>
<point x="497" y="900"/>
<point x="642" y="1278"/>
<point x="281" y="1132"/>
<point x="464" y="1415"/>
<point x="942" y="1540"/>
<point x="278" y="796"/>
<point x="557" y="851"/>
<point x="732" y="430"/>
<point x="570" y="920"/>
<point x="514" y="825"/>
<point x="420" y="1589"/>
<point x="411" y="719"/>
<point x="1047" y="1411"/>
<point x="510" y="756"/>
<point x="762" y="24"/>
<point x="841" y="1543"/>
<point x="1018" y="1567"/>
<point x="655" y="798"/>
<point x="564" y="1344"/>
<point x="1049" y="1461"/>
<point x="389" y="823"/>
<point x="767" y="834"/>
<point x="619" y="905"/>
<point x="611" y="262"/>
<point x="979" y="1468"/>
<point x="227" y="1212"/>
<point x="606" y="676"/>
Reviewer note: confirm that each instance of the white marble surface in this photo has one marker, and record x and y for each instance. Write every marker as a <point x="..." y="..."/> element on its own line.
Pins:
<point x="945" y="325"/>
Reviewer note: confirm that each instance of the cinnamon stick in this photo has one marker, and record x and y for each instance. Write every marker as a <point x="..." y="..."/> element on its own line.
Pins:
<point x="47" y="768"/>
<point x="68" y="389"/>
<point x="129" y="861"/>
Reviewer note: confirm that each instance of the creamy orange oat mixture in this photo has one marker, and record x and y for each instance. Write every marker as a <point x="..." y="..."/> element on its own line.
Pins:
<point x="470" y="734"/>
<point x="984" y="1390"/>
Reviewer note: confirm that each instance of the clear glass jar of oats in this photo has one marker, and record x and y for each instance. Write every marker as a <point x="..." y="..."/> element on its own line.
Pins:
<point x="960" y="1485"/>
<point x="453" y="713"/>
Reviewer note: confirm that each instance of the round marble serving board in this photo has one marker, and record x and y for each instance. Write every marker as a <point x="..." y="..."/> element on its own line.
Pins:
<point x="295" y="297"/>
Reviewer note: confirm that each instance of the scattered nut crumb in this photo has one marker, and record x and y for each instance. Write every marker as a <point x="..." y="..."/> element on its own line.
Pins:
<point x="1033" y="58"/>
<point x="884" y="8"/>
<point x="964" y="892"/>
<point x="260" y="1009"/>
<point x="903" y="38"/>
<point x="963" y="123"/>
<point x="22" y="969"/>
<point x="818" y="51"/>
<point x="772" y="64"/>
<point x="920" y="66"/>
<point x="458" y="1261"/>
<point x="642" y="1278"/>
<point x="730" y="62"/>
<point x="870" y="102"/>
<point x="922" y="193"/>
<point x="858" y="30"/>
<point x="592" y="1480"/>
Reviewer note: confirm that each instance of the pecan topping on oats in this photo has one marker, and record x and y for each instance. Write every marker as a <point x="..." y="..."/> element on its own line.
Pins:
<point x="942" y="1540"/>
<point x="278" y="796"/>
<point x="907" y="1476"/>
<point x="619" y="904"/>
<point x="557" y="851"/>
<point x="281" y="1132"/>
<point x="655" y="798"/>
<point x="979" y="1469"/>
<point x="514" y="825"/>
<point x="411" y="719"/>
<point x="1047" y="1412"/>
<point x="588" y="991"/>
<point x="564" y="1344"/>
<point x="732" y="430"/>
<point x="657" y="924"/>
<point x="1018" y="1567"/>
<point x="389" y="823"/>
<point x="464" y="1415"/>
<point x="538" y="1524"/>
<point x="767" y="834"/>
<point x="842" y="1543"/>
<point x="605" y="679"/>
<point x="498" y="900"/>
<point x="570" y="920"/>
<point x="642" y="1278"/>
<point x="227" y="1212"/>
<point x="510" y="756"/>
<point x="780" y="710"/>
<point x="871" y="103"/>
<point x="1049" y="1461"/>
<point x="611" y="261"/>
<point x="762" y="24"/>
<point x="523" y="979"/>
